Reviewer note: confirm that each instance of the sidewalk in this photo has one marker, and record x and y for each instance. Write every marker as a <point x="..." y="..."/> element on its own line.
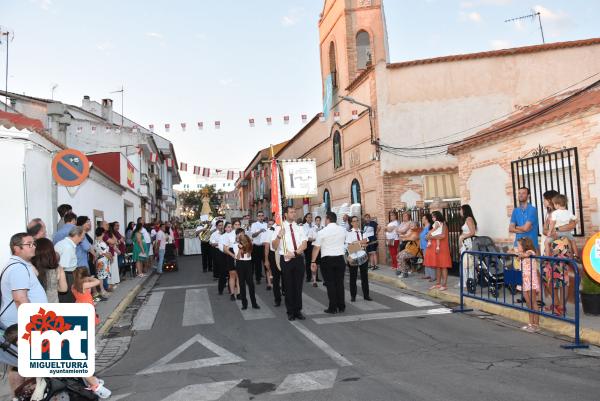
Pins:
<point x="109" y="312"/>
<point x="590" y="325"/>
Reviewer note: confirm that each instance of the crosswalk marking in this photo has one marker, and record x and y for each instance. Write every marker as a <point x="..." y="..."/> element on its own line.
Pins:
<point x="381" y="315"/>
<point x="255" y="314"/>
<point x="322" y="345"/>
<point x="197" y="308"/>
<point x="308" y="381"/>
<point x="310" y="306"/>
<point x="361" y="303"/>
<point x="147" y="313"/>
<point x="119" y="397"/>
<point x="407" y="299"/>
<point x="183" y="287"/>
<point x="203" y="392"/>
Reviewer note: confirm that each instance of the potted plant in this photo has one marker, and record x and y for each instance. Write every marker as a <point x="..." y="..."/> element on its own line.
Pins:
<point x="590" y="295"/>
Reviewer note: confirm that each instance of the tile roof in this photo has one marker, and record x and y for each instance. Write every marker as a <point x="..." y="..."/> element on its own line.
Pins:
<point x="553" y="109"/>
<point x="20" y="122"/>
<point x="499" y="53"/>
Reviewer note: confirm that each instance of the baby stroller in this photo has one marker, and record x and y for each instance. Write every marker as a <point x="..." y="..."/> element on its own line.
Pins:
<point x="489" y="270"/>
<point x="170" y="261"/>
<point x="416" y="262"/>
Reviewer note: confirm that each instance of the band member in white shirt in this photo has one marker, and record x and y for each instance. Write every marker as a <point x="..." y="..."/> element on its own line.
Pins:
<point x="273" y="271"/>
<point x="256" y="230"/>
<point x="310" y="230"/>
<point x="290" y="242"/>
<point x="355" y="235"/>
<point x="243" y="266"/>
<point x="217" y="256"/>
<point x="331" y="242"/>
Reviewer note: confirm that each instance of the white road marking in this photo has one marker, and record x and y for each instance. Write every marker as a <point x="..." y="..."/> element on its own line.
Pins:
<point x="310" y="306"/>
<point x="360" y="303"/>
<point x="407" y="299"/>
<point x="119" y="397"/>
<point x="197" y="309"/>
<point x="203" y="392"/>
<point x="322" y="345"/>
<point x="381" y="315"/>
<point x="254" y="314"/>
<point x="309" y="381"/>
<point x="147" y="313"/>
<point x="162" y="365"/>
<point x="183" y="287"/>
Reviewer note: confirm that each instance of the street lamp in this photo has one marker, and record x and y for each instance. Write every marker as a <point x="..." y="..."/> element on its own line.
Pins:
<point x="354" y="101"/>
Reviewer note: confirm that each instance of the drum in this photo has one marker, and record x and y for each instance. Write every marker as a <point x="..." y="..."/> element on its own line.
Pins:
<point x="357" y="258"/>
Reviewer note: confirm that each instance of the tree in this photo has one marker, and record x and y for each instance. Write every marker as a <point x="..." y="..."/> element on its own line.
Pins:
<point x="192" y="200"/>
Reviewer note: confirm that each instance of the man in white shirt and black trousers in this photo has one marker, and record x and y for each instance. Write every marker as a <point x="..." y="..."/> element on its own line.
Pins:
<point x="256" y="230"/>
<point x="355" y="235"/>
<point x="331" y="242"/>
<point x="290" y="242"/>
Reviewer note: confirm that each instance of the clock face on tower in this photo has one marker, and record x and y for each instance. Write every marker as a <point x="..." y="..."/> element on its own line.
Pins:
<point x="364" y="3"/>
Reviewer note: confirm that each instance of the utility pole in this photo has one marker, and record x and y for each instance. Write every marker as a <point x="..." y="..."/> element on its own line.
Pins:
<point x="122" y="91"/>
<point x="53" y="89"/>
<point x="9" y="37"/>
<point x="531" y="16"/>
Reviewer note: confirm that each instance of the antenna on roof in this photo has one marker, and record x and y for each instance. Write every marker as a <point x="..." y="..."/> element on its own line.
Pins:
<point x="121" y="91"/>
<point x="9" y="37"/>
<point x="531" y="17"/>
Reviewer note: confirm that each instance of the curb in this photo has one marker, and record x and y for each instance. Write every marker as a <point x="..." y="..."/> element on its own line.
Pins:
<point x="118" y="312"/>
<point x="590" y="336"/>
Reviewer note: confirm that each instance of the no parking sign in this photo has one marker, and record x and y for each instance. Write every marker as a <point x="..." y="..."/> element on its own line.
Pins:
<point x="70" y="167"/>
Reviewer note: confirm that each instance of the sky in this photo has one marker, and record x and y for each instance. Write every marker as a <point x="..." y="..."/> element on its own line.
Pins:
<point x="230" y="60"/>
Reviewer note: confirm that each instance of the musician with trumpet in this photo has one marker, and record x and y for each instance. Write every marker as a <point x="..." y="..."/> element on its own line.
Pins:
<point x="357" y="259"/>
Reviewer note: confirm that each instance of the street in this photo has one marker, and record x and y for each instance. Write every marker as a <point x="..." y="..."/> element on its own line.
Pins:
<point x="189" y="343"/>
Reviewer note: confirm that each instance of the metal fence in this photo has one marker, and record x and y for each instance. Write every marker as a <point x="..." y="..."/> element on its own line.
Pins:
<point x="537" y="285"/>
<point x="546" y="170"/>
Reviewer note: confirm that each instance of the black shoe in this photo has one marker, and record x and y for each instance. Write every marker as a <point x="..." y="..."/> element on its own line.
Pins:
<point x="277" y="303"/>
<point x="232" y="297"/>
<point x="291" y="318"/>
<point x="204" y="271"/>
<point x="367" y="298"/>
<point x="239" y="296"/>
<point x="375" y="267"/>
<point x="330" y="311"/>
<point x="269" y="288"/>
<point x="342" y="310"/>
<point x="244" y="307"/>
<point x="315" y="285"/>
<point x="353" y="299"/>
<point x="255" y="306"/>
<point x="220" y="292"/>
<point x="300" y="316"/>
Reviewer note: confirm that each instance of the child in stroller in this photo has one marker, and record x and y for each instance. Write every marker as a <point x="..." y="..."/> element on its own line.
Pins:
<point x="489" y="270"/>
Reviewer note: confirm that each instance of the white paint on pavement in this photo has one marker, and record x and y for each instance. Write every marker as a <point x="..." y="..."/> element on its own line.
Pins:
<point x="309" y="381"/>
<point x="360" y="303"/>
<point x="197" y="309"/>
<point x="162" y="365"/>
<point x="322" y="345"/>
<point x="399" y="296"/>
<point x="147" y="313"/>
<point x="381" y="315"/>
<point x="254" y="314"/>
<point x="119" y="397"/>
<point x="183" y="287"/>
<point x="310" y="306"/>
<point x="203" y="392"/>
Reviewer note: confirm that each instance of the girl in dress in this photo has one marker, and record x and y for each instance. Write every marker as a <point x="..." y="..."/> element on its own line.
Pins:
<point x="103" y="260"/>
<point x="531" y="282"/>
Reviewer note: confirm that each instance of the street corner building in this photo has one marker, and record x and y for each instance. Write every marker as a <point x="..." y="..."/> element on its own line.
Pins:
<point x="129" y="176"/>
<point x="382" y="139"/>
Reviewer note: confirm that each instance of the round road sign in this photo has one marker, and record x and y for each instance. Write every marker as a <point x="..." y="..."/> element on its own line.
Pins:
<point x="591" y="257"/>
<point x="70" y="167"/>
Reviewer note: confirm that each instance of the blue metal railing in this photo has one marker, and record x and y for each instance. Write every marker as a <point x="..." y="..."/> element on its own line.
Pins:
<point x="502" y="278"/>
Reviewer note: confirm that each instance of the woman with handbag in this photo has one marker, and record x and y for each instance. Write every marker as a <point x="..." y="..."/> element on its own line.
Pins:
<point x="411" y="249"/>
<point x="469" y="229"/>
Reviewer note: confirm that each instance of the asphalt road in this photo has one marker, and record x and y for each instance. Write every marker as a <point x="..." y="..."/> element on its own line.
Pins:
<point x="190" y="344"/>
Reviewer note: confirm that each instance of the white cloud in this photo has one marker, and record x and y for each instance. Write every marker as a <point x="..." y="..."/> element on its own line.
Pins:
<point x="155" y="35"/>
<point x="43" y="4"/>
<point x="105" y="47"/>
<point x="473" y="16"/>
<point x="293" y="16"/>
<point x="555" y="23"/>
<point x="498" y="44"/>
<point x="226" y="81"/>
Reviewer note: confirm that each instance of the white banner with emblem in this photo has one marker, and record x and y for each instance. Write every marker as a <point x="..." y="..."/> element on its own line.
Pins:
<point x="299" y="178"/>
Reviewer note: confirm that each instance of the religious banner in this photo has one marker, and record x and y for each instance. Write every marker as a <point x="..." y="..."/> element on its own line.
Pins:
<point x="299" y="178"/>
<point x="275" y="193"/>
<point x="130" y="175"/>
